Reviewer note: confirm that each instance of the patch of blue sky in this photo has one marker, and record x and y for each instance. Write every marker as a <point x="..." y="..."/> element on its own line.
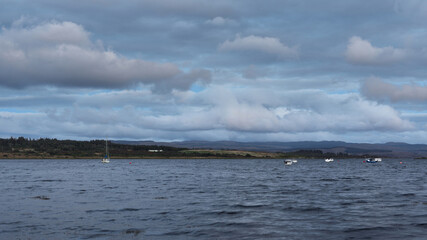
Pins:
<point x="96" y="92"/>
<point x="417" y="31"/>
<point x="141" y="109"/>
<point x="16" y="110"/>
<point x="341" y="92"/>
<point x="117" y="108"/>
<point x="414" y="113"/>
<point x="400" y="81"/>
<point x="195" y="87"/>
<point x="144" y="109"/>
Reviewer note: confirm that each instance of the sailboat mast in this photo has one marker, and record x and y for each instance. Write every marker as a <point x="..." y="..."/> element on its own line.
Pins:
<point x="106" y="147"/>
<point x="106" y="159"/>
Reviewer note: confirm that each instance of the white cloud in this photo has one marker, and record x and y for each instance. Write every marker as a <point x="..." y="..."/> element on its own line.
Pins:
<point x="267" y="45"/>
<point x="220" y="21"/>
<point x="376" y="89"/>
<point x="308" y="111"/>
<point x="62" y="54"/>
<point x="142" y="114"/>
<point x="360" y="51"/>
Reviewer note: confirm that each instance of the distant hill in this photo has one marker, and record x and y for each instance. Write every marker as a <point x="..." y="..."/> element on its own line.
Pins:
<point x="391" y="149"/>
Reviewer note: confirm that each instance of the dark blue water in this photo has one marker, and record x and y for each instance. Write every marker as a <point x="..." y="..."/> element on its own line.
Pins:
<point x="212" y="199"/>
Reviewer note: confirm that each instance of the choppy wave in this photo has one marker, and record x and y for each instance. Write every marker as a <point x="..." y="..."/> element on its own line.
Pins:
<point x="212" y="199"/>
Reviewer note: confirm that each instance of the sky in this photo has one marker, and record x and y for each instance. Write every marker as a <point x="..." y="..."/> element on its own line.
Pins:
<point x="166" y="70"/>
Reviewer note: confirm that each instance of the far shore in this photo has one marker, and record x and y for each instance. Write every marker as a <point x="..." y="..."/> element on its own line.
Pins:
<point x="177" y="157"/>
<point x="45" y="148"/>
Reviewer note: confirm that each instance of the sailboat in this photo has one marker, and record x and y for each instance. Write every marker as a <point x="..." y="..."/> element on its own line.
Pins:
<point x="106" y="159"/>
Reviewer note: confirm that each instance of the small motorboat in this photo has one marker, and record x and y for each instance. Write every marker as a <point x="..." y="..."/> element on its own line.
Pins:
<point x="329" y="160"/>
<point x="372" y="160"/>
<point x="288" y="162"/>
<point x="378" y="159"/>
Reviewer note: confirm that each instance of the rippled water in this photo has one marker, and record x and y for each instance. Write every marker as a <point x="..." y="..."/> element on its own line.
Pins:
<point x="213" y="199"/>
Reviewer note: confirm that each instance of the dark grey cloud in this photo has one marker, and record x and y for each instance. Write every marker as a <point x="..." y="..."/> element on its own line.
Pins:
<point x="252" y="72"/>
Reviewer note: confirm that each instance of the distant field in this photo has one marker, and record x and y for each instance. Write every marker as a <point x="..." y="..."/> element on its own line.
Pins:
<point x="234" y="153"/>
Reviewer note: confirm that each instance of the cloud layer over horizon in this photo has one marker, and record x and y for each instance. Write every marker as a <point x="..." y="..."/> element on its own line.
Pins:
<point x="196" y="70"/>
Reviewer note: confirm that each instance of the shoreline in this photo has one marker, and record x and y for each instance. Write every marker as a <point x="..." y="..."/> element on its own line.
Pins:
<point x="120" y="158"/>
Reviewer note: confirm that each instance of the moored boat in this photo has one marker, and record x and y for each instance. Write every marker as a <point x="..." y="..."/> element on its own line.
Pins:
<point x="106" y="159"/>
<point x="288" y="162"/>
<point x="329" y="160"/>
<point x="371" y="160"/>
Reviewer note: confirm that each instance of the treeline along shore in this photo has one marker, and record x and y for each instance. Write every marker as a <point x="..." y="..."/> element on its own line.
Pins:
<point x="47" y="148"/>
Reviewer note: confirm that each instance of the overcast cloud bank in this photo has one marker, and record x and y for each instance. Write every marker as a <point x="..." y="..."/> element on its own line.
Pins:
<point x="225" y="70"/>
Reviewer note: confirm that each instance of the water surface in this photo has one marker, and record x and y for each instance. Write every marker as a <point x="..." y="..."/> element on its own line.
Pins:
<point x="213" y="199"/>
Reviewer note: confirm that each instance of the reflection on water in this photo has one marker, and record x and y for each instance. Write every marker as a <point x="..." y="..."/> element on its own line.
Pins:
<point x="212" y="199"/>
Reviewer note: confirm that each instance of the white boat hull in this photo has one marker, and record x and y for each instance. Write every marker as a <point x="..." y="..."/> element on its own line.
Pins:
<point x="370" y="160"/>
<point x="288" y="162"/>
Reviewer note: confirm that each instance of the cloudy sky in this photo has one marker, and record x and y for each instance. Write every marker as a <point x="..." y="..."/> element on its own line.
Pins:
<point x="249" y="70"/>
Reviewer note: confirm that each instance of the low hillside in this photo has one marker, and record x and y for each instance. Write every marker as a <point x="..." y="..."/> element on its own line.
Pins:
<point x="45" y="148"/>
